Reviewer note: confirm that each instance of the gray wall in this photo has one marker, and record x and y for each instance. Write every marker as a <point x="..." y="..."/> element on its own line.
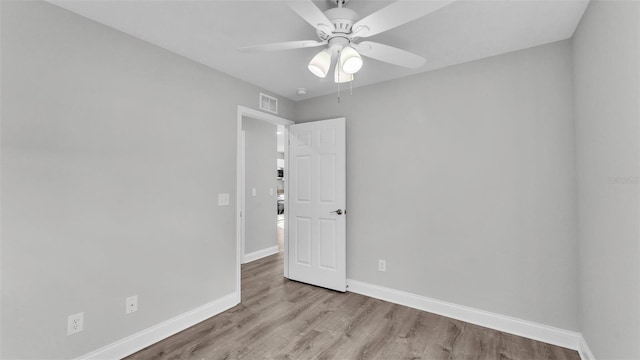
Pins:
<point x="260" y="173"/>
<point x="113" y="153"/>
<point x="463" y="180"/>
<point x="607" y="111"/>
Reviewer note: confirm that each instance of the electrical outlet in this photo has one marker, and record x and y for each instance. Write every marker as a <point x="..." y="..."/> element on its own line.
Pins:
<point x="75" y="323"/>
<point x="382" y="265"/>
<point x="132" y="304"/>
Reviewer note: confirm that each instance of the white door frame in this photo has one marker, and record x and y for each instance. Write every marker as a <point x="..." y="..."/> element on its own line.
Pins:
<point x="240" y="206"/>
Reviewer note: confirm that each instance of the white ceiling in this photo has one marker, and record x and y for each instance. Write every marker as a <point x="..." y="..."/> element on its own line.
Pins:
<point x="210" y="31"/>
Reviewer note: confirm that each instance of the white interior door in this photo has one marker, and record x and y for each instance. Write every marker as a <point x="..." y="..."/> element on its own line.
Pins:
<point x="317" y="203"/>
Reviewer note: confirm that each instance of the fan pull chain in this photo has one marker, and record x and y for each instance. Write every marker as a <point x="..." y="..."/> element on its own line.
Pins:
<point x="338" y="93"/>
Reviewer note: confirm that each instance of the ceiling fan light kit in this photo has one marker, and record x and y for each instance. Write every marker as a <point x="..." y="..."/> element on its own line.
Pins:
<point x="350" y="60"/>
<point x="320" y="64"/>
<point x="340" y="29"/>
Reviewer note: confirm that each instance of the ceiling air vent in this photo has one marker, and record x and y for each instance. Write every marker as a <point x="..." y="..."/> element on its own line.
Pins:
<point x="268" y="103"/>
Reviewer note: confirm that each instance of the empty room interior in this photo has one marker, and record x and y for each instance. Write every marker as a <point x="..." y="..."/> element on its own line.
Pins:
<point x="325" y="179"/>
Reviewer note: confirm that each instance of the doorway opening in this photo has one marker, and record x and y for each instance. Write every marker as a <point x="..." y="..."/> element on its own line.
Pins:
<point x="261" y="187"/>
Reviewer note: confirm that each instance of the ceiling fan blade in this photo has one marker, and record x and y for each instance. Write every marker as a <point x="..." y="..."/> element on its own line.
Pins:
<point x="311" y="14"/>
<point x="396" y="14"/>
<point x="389" y="54"/>
<point x="288" y="45"/>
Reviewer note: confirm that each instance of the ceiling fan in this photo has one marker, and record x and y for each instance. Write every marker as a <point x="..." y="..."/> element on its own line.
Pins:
<point x="340" y="30"/>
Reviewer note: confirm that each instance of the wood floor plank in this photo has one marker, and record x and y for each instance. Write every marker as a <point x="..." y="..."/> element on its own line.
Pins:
<point x="285" y="320"/>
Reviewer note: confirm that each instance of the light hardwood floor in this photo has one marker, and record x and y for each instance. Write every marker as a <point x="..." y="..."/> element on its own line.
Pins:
<point x="283" y="319"/>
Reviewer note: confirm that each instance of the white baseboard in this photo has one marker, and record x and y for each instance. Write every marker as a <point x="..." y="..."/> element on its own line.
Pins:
<point x="584" y="351"/>
<point x="260" y="254"/>
<point x="152" y="335"/>
<point x="528" y="329"/>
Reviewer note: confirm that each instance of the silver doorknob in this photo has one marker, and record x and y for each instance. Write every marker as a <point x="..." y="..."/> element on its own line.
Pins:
<point x="339" y="212"/>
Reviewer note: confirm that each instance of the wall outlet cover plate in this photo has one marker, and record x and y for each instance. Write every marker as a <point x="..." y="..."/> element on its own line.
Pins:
<point x="132" y="304"/>
<point x="75" y="323"/>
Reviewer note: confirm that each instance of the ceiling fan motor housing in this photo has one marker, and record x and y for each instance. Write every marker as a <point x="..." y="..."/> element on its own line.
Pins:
<point x="338" y="42"/>
<point x="342" y="20"/>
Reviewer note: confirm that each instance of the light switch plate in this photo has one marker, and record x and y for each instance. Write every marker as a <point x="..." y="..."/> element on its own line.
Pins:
<point x="223" y="199"/>
<point x="270" y="191"/>
<point x="253" y="192"/>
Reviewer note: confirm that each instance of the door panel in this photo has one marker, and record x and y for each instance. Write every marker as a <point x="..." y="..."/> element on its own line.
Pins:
<point x="303" y="236"/>
<point x="328" y="244"/>
<point x="326" y="179"/>
<point x="317" y="235"/>
<point x="303" y="177"/>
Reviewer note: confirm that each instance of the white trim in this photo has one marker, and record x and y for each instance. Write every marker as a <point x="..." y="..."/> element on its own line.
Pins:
<point x="239" y="201"/>
<point x="286" y="201"/>
<point x="243" y="197"/>
<point x="255" y="114"/>
<point x="584" y="351"/>
<point x="260" y="254"/>
<point x="528" y="329"/>
<point x="140" y="340"/>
